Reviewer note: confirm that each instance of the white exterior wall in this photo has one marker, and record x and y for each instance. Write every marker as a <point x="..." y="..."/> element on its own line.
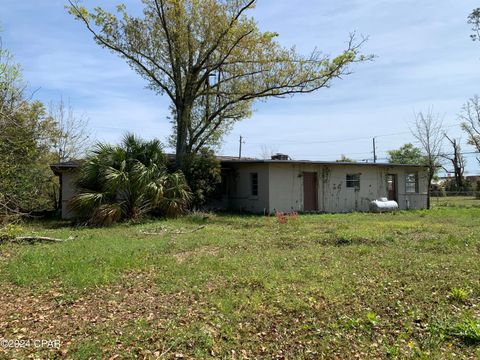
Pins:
<point x="239" y="188"/>
<point x="286" y="187"/>
<point x="68" y="191"/>
<point x="409" y="200"/>
<point x="280" y="187"/>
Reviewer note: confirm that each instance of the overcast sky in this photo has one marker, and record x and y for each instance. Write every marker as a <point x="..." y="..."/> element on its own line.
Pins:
<point x="425" y="59"/>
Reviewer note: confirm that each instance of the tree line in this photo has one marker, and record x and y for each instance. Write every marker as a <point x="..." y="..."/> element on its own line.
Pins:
<point x="437" y="150"/>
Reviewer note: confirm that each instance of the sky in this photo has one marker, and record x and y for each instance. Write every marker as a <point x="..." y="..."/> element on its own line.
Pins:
<point x="424" y="60"/>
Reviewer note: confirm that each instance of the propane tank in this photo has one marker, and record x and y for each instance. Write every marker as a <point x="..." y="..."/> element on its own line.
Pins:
<point x="383" y="205"/>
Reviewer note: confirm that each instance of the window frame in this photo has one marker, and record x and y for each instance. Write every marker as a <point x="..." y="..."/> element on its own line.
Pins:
<point x="254" y="184"/>
<point x="408" y="183"/>
<point x="353" y="183"/>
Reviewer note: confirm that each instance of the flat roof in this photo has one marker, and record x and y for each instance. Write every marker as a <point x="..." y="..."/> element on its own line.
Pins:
<point x="232" y="160"/>
<point x="313" y="162"/>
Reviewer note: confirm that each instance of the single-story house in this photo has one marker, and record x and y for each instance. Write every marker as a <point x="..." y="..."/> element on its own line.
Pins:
<point x="266" y="186"/>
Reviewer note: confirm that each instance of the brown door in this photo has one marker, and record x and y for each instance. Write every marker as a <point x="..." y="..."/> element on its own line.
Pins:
<point x="392" y="187"/>
<point x="310" y="194"/>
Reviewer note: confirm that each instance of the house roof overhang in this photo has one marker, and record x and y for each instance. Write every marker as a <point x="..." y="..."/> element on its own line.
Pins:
<point x="72" y="165"/>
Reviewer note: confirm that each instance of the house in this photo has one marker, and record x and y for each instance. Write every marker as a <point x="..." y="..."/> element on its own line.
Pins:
<point x="280" y="184"/>
<point x="265" y="186"/>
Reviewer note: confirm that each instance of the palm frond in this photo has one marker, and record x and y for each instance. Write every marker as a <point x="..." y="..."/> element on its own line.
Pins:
<point x="127" y="181"/>
<point x="106" y="214"/>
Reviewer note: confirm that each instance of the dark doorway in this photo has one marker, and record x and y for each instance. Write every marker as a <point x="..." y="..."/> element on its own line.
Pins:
<point x="310" y="194"/>
<point x="392" y="187"/>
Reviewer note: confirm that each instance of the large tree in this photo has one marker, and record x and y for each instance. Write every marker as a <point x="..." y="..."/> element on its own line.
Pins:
<point x="211" y="60"/>
<point x="408" y="154"/>
<point x="470" y="118"/>
<point x="428" y="131"/>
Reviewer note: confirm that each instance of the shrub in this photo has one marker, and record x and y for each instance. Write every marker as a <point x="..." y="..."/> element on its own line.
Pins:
<point x="203" y="174"/>
<point x="10" y="231"/>
<point x="477" y="192"/>
<point x="127" y="181"/>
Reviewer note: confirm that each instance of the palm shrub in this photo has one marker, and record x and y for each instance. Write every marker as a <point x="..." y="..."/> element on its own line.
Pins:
<point x="127" y="181"/>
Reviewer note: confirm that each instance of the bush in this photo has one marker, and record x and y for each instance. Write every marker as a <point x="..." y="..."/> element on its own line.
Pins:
<point x="10" y="231"/>
<point x="451" y="186"/>
<point x="203" y="174"/>
<point x="477" y="192"/>
<point x="128" y="181"/>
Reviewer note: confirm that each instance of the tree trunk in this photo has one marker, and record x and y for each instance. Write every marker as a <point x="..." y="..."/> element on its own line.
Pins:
<point x="183" y="121"/>
<point x="430" y="178"/>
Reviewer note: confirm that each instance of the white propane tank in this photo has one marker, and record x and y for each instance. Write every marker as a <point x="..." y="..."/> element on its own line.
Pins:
<point x="383" y="204"/>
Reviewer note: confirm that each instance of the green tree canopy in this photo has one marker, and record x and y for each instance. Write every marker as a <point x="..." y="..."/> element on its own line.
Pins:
<point x="345" y="158"/>
<point x="408" y="154"/>
<point x="27" y="134"/>
<point x="211" y="60"/>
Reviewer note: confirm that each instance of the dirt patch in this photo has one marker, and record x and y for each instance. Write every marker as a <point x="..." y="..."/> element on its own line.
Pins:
<point x="73" y="318"/>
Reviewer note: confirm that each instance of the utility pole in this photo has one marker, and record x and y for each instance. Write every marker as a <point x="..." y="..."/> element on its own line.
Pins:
<point x="374" y="151"/>
<point x="240" y="148"/>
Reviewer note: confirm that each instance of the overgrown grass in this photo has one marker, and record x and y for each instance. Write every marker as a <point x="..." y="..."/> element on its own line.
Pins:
<point x="372" y="285"/>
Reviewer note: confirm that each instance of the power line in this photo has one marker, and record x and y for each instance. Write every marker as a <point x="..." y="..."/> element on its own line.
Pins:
<point x="287" y="142"/>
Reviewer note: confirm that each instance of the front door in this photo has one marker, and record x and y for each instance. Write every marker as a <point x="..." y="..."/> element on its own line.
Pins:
<point x="392" y="187"/>
<point x="310" y="194"/>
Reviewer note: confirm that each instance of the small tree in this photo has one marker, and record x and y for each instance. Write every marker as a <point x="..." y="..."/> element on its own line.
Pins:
<point x="73" y="136"/>
<point x="470" y="118"/>
<point x="408" y="154"/>
<point x="428" y="130"/>
<point x="458" y="163"/>
<point x="26" y="137"/>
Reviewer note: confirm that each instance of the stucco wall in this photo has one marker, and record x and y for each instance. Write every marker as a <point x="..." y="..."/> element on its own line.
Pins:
<point x="68" y="191"/>
<point x="280" y="187"/>
<point x="239" y="188"/>
<point x="413" y="201"/>
<point x="286" y="187"/>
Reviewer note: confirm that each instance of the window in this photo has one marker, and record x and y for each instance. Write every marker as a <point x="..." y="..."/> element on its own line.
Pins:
<point x="254" y="184"/>
<point x="411" y="183"/>
<point x="353" y="181"/>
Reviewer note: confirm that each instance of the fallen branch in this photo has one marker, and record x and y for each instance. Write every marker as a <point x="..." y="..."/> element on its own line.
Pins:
<point x="177" y="232"/>
<point x="33" y="239"/>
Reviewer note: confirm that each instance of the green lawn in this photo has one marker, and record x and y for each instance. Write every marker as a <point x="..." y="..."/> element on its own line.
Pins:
<point x="356" y="285"/>
<point x="455" y="201"/>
